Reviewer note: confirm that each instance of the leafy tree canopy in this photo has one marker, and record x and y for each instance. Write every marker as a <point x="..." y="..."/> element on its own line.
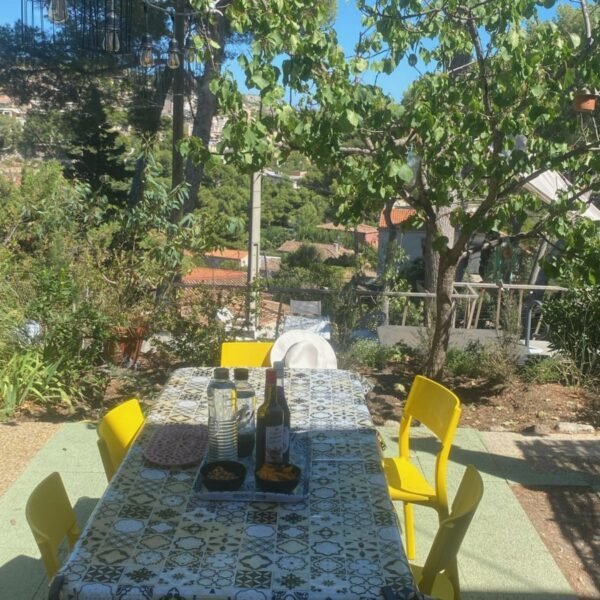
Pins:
<point x="489" y="82"/>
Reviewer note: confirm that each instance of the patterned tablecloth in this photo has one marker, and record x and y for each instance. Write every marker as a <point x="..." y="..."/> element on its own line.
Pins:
<point x="319" y="325"/>
<point x="150" y="535"/>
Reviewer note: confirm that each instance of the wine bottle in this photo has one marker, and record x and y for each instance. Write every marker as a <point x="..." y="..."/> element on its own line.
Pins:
<point x="282" y="401"/>
<point x="269" y="425"/>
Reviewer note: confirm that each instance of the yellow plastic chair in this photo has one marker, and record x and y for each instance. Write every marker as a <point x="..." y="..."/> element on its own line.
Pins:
<point x="51" y="518"/>
<point x="439" y="410"/>
<point x="246" y="354"/>
<point x="116" y="432"/>
<point x="438" y="577"/>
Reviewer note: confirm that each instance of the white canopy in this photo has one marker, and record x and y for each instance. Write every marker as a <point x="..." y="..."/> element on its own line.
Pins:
<point x="549" y="184"/>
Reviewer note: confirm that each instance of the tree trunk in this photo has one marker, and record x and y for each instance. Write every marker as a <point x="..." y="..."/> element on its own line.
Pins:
<point x="443" y="318"/>
<point x="431" y="256"/>
<point x="206" y="109"/>
<point x="151" y="119"/>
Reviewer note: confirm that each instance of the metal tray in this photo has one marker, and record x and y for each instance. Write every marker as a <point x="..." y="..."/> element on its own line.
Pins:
<point x="299" y="455"/>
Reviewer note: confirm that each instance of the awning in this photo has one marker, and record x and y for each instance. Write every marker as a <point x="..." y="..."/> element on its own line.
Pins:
<point x="548" y="185"/>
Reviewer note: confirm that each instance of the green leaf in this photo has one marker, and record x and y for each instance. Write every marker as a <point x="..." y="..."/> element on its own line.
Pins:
<point x="575" y="40"/>
<point x="400" y="169"/>
<point x="537" y="91"/>
<point x="353" y="118"/>
<point x="361" y="65"/>
<point x="260" y="82"/>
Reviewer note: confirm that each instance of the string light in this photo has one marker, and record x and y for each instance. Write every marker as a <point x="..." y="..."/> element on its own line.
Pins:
<point x="190" y="50"/>
<point x="57" y="11"/>
<point x="111" y="41"/>
<point x="147" y="52"/>
<point x="173" y="60"/>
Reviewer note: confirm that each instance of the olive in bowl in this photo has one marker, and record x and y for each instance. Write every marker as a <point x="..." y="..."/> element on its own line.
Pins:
<point x="223" y="475"/>
<point x="279" y="479"/>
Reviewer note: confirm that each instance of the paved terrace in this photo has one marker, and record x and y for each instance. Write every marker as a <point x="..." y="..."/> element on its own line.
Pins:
<point x="502" y="558"/>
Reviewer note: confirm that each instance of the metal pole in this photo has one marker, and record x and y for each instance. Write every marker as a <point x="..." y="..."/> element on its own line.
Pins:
<point x="535" y="269"/>
<point x="254" y="215"/>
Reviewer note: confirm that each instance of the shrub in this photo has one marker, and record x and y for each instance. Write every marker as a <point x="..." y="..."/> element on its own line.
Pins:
<point x="370" y="353"/>
<point x="195" y="333"/>
<point x="465" y="362"/>
<point x="26" y="377"/>
<point x="551" y="369"/>
<point x="493" y="361"/>
<point x="574" y="327"/>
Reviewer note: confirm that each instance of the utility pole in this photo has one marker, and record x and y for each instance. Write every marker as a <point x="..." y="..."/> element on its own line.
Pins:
<point x="254" y="214"/>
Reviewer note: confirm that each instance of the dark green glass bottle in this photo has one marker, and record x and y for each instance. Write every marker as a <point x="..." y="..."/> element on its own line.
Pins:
<point x="269" y="425"/>
<point x="282" y="401"/>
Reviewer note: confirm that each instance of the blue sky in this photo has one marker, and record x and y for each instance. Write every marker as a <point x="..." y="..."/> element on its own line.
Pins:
<point x="347" y="25"/>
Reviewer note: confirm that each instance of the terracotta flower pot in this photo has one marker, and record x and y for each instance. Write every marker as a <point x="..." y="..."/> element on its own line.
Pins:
<point x="584" y="102"/>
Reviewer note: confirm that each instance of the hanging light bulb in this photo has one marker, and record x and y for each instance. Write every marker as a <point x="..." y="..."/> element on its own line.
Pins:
<point x="147" y="52"/>
<point x="111" y="41"/>
<point x="173" y="60"/>
<point x="189" y="51"/>
<point x="57" y="11"/>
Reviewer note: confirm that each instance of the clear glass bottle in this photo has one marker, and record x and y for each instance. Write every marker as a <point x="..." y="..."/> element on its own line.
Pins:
<point x="282" y="401"/>
<point x="269" y="425"/>
<point x="222" y="418"/>
<point x="246" y="412"/>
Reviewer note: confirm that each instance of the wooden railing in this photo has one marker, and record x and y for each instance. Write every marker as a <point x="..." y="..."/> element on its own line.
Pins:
<point x="475" y="305"/>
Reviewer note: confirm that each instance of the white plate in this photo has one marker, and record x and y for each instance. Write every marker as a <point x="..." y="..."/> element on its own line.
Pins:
<point x="305" y="343"/>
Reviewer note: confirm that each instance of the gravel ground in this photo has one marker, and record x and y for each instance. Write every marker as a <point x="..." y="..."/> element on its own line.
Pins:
<point x="18" y="444"/>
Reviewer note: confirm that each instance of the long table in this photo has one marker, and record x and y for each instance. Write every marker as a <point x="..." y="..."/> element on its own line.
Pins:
<point x="318" y="325"/>
<point x="151" y="536"/>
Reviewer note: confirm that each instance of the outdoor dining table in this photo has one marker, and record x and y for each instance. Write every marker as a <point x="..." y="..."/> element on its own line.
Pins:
<point x="319" y="325"/>
<point x="152" y="535"/>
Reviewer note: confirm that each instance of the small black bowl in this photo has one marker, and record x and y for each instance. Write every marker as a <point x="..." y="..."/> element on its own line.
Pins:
<point x="279" y="487"/>
<point x="214" y="484"/>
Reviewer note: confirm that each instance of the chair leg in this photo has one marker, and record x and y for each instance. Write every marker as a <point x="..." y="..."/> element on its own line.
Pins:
<point x="409" y="530"/>
<point x="452" y="574"/>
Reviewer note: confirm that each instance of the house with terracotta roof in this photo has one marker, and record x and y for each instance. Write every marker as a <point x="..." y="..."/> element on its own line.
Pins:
<point x="216" y="258"/>
<point x="411" y="238"/>
<point x="363" y="234"/>
<point x="215" y="277"/>
<point x="398" y="227"/>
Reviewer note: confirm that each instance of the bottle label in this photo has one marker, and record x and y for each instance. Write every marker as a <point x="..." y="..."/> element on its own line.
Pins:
<point x="274" y="444"/>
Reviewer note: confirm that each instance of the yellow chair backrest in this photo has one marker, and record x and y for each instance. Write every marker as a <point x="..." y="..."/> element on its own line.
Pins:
<point x="436" y="407"/>
<point x="246" y="354"/>
<point x="51" y="518"/>
<point x="116" y="432"/>
<point x="452" y="530"/>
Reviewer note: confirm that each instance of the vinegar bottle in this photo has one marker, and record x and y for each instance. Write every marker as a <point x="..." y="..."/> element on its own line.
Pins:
<point x="246" y="412"/>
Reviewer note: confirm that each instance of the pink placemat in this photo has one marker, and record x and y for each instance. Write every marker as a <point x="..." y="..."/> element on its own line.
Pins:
<point x="177" y="445"/>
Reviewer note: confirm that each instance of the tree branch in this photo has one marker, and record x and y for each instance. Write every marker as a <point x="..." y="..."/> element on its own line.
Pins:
<point x="587" y="25"/>
<point x="486" y="245"/>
